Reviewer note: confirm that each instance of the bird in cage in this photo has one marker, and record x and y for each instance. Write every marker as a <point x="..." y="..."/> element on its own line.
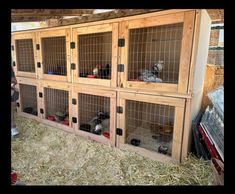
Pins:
<point x="157" y="68"/>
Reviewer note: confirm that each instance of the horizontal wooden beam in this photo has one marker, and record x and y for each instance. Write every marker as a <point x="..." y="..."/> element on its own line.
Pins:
<point x="105" y="16"/>
<point x="33" y="18"/>
<point x="50" y="12"/>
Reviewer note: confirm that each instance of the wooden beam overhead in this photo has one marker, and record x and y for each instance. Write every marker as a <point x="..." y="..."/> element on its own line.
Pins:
<point x="117" y="13"/>
<point x="50" y="12"/>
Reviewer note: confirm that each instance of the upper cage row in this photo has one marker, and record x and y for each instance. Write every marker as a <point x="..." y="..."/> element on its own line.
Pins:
<point x="146" y="53"/>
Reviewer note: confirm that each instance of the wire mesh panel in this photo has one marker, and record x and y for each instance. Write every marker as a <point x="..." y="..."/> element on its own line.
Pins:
<point x="95" y="55"/>
<point x="57" y="105"/>
<point x="150" y="126"/>
<point x="94" y="114"/>
<point x="154" y="53"/>
<point x="54" y="55"/>
<point x="25" y="55"/>
<point x="28" y="96"/>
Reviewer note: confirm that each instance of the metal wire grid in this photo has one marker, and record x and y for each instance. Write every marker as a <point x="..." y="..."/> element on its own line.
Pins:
<point x="214" y="126"/>
<point x="54" y="55"/>
<point x="149" y="45"/>
<point x="56" y="101"/>
<point x="25" y="55"/>
<point x="28" y="95"/>
<point x="89" y="106"/>
<point x="95" y="50"/>
<point x="150" y="123"/>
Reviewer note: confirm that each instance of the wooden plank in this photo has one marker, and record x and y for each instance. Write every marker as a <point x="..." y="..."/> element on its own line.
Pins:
<point x="186" y="130"/>
<point x="122" y="122"/>
<point x="53" y="33"/>
<point x="124" y="33"/>
<point x="26" y="80"/>
<point x="178" y="133"/>
<point x="113" y="111"/>
<point x="40" y="100"/>
<point x="156" y="20"/>
<point x="92" y="91"/>
<point x="25" y="35"/>
<point x="153" y="99"/>
<point x="68" y="54"/>
<point x="150" y="154"/>
<point x="194" y="50"/>
<point x="54" y="77"/>
<point x="70" y="108"/>
<point x="74" y="94"/>
<point x="26" y="74"/>
<point x="74" y="57"/>
<point x="152" y="86"/>
<point x="56" y="85"/>
<point x="39" y="57"/>
<point x="94" y="29"/>
<point x="165" y="12"/>
<point x="29" y="116"/>
<point x="94" y="81"/>
<point x="114" y="54"/>
<point x="185" y="55"/>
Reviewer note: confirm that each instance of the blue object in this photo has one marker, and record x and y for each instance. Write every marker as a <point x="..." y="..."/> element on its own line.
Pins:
<point x="50" y="72"/>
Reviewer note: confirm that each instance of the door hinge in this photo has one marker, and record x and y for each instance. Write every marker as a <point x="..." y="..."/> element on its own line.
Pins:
<point x="37" y="46"/>
<point x="14" y="63"/>
<point x="40" y="94"/>
<point x="73" y="66"/>
<point x="72" y="45"/>
<point x="74" y="101"/>
<point x="119" y="131"/>
<point x="121" y="42"/>
<point x="38" y="64"/>
<point x="18" y="104"/>
<point x="41" y="111"/>
<point x="119" y="109"/>
<point x="120" y="68"/>
<point x="74" y="119"/>
<point x="12" y="47"/>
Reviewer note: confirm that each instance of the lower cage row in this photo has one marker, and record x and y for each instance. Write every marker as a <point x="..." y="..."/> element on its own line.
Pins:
<point x="150" y="124"/>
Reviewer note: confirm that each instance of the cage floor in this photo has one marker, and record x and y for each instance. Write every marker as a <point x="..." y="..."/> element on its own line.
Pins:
<point x="44" y="155"/>
<point x="146" y="140"/>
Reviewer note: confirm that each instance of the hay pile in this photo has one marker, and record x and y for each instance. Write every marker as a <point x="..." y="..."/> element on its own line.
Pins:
<point x="46" y="156"/>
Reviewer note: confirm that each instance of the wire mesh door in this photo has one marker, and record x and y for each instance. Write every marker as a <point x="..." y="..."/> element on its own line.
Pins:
<point x="150" y="126"/>
<point x="57" y="105"/>
<point x="94" y="114"/>
<point x="54" y="55"/>
<point x="154" y="53"/>
<point x="25" y="55"/>
<point x="95" y="55"/>
<point x="28" y="96"/>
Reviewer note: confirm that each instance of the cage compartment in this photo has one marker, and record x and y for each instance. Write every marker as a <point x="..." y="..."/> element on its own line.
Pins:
<point x="94" y="114"/>
<point x="150" y="126"/>
<point x="25" y="55"/>
<point x="95" y="55"/>
<point x="28" y="99"/>
<point x="154" y="53"/>
<point x="56" y="103"/>
<point x="54" y="55"/>
<point x="157" y="52"/>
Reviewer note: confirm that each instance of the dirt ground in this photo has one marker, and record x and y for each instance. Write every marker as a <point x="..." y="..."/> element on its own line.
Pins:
<point x="44" y="155"/>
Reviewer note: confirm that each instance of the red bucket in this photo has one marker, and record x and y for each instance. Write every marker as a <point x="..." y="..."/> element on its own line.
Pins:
<point x="106" y="134"/>
<point x="65" y="122"/>
<point x="51" y="118"/>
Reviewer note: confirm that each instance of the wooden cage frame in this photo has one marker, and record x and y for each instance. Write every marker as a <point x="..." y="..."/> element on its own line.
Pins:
<point x="61" y="86"/>
<point x="31" y="82"/>
<point x="187" y="18"/>
<point x="29" y="35"/>
<point x="185" y="96"/>
<point x="109" y="27"/>
<point x="48" y="34"/>
<point x="179" y="105"/>
<point x="91" y="90"/>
